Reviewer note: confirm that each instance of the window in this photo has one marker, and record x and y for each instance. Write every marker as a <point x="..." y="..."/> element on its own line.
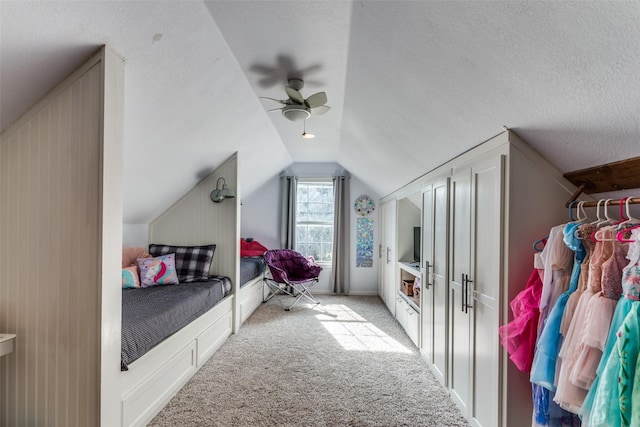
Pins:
<point x="314" y="219"/>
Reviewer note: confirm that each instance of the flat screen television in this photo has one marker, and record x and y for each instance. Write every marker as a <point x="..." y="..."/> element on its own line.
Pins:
<point x="416" y="243"/>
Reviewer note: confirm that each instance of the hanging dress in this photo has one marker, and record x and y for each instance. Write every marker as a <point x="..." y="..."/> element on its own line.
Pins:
<point x="599" y="315"/>
<point x="519" y="335"/>
<point x="605" y="410"/>
<point x="568" y="396"/>
<point x="546" y="412"/>
<point x="544" y="363"/>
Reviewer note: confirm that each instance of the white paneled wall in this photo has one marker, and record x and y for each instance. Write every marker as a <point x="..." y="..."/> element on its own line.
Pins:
<point x="53" y="253"/>
<point x="196" y="220"/>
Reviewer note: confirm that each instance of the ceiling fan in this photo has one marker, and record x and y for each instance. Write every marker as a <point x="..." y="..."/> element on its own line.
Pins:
<point x="296" y="107"/>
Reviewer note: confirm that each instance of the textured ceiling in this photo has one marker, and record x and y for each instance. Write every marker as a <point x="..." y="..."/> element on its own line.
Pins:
<point x="411" y="83"/>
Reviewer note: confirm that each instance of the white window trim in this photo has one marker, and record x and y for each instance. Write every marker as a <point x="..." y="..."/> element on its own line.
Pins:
<point x="307" y="180"/>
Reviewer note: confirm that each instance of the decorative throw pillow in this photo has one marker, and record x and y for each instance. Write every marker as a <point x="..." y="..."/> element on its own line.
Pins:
<point x="192" y="262"/>
<point x="131" y="254"/>
<point x="158" y="271"/>
<point x="251" y="248"/>
<point x="130" y="278"/>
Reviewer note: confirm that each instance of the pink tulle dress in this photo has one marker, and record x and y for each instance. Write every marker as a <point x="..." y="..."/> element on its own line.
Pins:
<point x="599" y="315"/>
<point x="519" y="335"/>
<point x="568" y="395"/>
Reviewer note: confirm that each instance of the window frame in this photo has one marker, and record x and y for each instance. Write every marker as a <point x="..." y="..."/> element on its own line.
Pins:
<point x="317" y="180"/>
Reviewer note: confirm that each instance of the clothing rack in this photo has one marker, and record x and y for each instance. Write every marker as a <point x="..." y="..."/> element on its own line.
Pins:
<point x="615" y="176"/>
<point x="612" y="202"/>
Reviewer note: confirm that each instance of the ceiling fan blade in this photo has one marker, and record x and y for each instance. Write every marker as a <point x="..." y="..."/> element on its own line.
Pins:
<point x="316" y="100"/>
<point x="294" y="95"/>
<point x="319" y="110"/>
<point x="281" y="101"/>
<point x="274" y="109"/>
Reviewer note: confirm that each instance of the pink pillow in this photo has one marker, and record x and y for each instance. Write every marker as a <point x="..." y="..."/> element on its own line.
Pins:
<point x="158" y="271"/>
<point x="130" y="278"/>
<point x="131" y="254"/>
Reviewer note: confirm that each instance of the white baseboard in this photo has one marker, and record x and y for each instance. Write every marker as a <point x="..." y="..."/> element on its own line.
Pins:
<point x="354" y="293"/>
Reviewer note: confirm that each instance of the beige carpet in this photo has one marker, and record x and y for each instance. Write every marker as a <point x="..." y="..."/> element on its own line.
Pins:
<point x="345" y="363"/>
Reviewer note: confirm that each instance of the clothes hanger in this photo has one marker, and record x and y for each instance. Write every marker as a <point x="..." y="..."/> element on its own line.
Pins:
<point x="542" y="241"/>
<point x="604" y="225"/>
<point x="620" y="235"/>
<point x="571" y="218"/>
<point x="578" y="232"/>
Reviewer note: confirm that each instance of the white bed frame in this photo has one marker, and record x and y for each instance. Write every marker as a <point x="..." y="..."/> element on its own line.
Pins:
<point x="250" y="297"/>
<point x="156" y="377"/>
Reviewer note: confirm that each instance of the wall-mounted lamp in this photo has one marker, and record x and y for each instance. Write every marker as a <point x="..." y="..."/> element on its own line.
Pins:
<point x="219" y="194"/>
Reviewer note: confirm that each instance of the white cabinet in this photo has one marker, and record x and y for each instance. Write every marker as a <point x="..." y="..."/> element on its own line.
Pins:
<point x="408" y="318"/>
<point x="388" y="288"/>
<point x="434" y="269"/>
<point x="407" y="306"/>
<point x="480" y="214"/>
<point x="475" y="288"/>
<point x="503" y="197"/>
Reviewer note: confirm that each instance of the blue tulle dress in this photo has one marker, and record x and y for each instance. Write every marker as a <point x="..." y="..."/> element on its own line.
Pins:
<point x="546" y="412"/>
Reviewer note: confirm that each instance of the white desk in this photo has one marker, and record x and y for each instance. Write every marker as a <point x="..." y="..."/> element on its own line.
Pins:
<point x="7" y="343"/>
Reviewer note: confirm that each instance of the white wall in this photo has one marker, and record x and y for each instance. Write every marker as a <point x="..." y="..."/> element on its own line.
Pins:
<point x="364" y="280"/>
<point x="135" y="235"/>
<point x="260" y="219"/>
<point x="260" y="214"/>
<point x="61" y="223"/>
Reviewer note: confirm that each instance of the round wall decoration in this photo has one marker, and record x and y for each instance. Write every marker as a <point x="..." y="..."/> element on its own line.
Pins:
<point x="364" y="205"/>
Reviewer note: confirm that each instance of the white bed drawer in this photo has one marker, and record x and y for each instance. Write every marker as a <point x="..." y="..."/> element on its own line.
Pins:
<point x="213" y="337"/>
<point x="143" y="402"/>
<point x="250" y="299"/>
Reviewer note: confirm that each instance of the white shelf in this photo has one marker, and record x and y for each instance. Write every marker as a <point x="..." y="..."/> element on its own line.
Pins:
<point x="408" y="266"/>
<point x="7" y="343"/>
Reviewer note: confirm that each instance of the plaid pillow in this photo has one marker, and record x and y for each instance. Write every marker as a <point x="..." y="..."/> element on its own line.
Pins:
<point x="192" y="262"/>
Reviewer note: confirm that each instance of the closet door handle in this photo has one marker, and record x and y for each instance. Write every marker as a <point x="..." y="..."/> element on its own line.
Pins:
<point x="388" y="255"/>
<point x="467" y="306"/>
<point x="427" y="275"/>
<point x="379" y="250"/>
<point x="463" y="293"/>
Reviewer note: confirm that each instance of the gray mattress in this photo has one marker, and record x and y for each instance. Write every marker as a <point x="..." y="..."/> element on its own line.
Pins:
<point x="250" y="267"/>
<point x="149" y="315"/>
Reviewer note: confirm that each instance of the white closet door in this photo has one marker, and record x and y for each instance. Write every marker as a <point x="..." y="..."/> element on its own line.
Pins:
<point x="460" y="348"/>
<point x="426" y="305"/>
<point x="435" y="209"/>
<point x="439" y="274"/>
<point x="486" y="256"/>
<point x="390" y="285"/>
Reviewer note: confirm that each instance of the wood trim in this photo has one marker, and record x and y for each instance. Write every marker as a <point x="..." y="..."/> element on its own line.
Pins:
<point x="615" y="176"/>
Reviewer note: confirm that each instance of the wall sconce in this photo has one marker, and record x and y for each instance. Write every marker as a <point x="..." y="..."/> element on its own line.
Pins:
<point x="219" y="194"/>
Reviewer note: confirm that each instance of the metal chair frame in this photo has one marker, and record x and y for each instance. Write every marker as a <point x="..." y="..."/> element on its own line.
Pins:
<point x="297" y="289"/>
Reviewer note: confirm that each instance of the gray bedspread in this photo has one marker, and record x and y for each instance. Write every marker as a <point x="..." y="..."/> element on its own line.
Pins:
<point x="250" y="267"/>
<point x="149" y="315"/>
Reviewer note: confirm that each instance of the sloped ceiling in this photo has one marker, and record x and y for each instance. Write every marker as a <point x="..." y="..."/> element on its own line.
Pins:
<point x="411" y="83"/>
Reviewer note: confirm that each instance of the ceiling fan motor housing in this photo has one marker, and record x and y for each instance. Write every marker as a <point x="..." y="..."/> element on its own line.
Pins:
<point x="296" y="112"/>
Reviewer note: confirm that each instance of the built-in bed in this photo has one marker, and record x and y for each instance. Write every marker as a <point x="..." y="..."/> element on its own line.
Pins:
<point x="169" y="331"/>
<point x="251" y="293"/>
<point x="169" y="327"/>
<point x="150" y="315"/>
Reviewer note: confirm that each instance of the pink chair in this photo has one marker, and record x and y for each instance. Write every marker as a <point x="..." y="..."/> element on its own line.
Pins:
<point x="291" y="274"/>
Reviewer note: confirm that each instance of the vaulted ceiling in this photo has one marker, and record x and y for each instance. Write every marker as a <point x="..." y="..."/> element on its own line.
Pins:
<point x="411" y="84"/>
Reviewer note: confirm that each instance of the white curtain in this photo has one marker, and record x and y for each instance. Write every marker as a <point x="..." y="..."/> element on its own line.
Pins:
<point x="288" y="189"/>
<point x="339" y="280"/>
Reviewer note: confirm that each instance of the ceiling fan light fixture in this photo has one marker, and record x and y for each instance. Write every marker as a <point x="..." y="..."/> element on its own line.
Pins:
<point x="306" y="135"/>
<point x="296" y="112"/>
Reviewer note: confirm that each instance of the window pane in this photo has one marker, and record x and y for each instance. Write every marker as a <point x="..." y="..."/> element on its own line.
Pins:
<point x="314" y="220"/>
